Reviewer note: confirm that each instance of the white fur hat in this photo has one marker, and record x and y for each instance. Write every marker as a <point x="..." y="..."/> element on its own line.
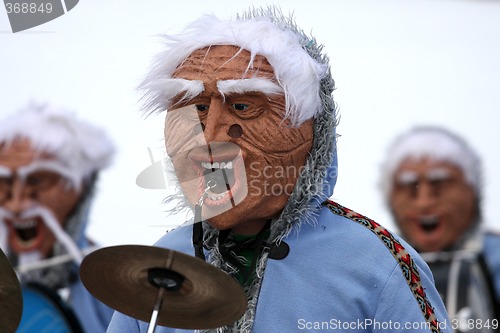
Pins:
<point x="79" y="146"/>
<point x="286" y="50"/>
<point x="437" y="144"/>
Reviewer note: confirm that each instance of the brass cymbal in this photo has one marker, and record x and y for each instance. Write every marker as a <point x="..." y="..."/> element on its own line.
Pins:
<point x="11" y="299"/>
<point x="197" y="295"/>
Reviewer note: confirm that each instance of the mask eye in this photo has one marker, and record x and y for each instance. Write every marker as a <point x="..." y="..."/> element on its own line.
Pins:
<point x="201" y="107"/>
<point x="239" y="106"/>
<point x="5" y="182"/>
<point x="42" y="180"/>
<point x="409" y="189"/>
<point x="5" y="186"/>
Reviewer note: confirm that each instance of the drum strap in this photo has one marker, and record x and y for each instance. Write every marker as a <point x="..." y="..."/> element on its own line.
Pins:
<point x="405" y="261"/>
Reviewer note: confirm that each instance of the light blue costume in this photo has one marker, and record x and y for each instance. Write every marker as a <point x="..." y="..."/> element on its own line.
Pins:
<point x="492" y="257"/>
<point x="338" y="275"/>
<point x="92" y="315"/>
<point x="467" y="271"/>
<point x="82" y="150"/>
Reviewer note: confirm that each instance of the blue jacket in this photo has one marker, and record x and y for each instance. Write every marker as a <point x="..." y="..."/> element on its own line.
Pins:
<point x="93" y="315"/>
<point x="491" y="251"/>
<point x="338" y="276"/>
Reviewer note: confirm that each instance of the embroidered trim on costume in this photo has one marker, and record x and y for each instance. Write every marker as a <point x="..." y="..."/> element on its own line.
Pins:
<point x="399" y="253"/>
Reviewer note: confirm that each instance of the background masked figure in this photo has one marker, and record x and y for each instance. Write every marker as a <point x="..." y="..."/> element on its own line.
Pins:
<point x="250" y="130"/>
<point x="432" y="181"/>
<point x="49" y="163"/>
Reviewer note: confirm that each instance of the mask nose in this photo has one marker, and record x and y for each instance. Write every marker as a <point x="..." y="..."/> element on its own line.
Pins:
<point x="425" y="196"/>
<point x="220" y="126"/>
<point x="235" y="131"/>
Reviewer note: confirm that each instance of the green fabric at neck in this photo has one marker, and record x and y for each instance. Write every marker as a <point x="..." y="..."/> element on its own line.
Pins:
<point x="247" y="256"/>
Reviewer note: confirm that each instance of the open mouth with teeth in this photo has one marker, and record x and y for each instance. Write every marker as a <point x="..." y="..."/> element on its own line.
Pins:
<point x="26" y="234"/>
<point x="429" y="223"/>
<point x="220" y="177"/>
<point x="26" y="231"/>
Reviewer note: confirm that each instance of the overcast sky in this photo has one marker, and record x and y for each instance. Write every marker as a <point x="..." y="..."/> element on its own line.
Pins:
<point x="396" y="63"/>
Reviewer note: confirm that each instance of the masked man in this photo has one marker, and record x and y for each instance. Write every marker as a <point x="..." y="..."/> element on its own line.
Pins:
<point x="49" y="164"/>
<point x="250" y="130"/>
<point x="432" y="181"/>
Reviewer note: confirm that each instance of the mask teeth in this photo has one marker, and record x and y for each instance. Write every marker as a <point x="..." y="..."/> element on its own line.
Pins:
<point x="429" y="223"/>
<point x="429" y="220"/>
<point x="216" y="197"/>
<point x="217" y="165"/>
<point x="25" y="224"/>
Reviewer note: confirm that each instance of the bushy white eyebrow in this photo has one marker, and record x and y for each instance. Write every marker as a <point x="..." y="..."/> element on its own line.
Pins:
<point x="24" y="171"/>
<point x="175" y="87"/>
<point x="438" y="174"/>
<point x="409" y="177"/>
<point x="242" y="86"/>
<point x="53" y="166"/>
<point x="192" y="88"/>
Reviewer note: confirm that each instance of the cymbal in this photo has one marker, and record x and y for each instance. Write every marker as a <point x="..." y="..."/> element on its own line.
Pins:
<point x="196" y="294"/>
<point x="11" y="299"/>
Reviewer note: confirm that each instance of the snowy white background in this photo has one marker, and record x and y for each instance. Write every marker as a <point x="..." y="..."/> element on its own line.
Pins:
<point x="396" y="63"/>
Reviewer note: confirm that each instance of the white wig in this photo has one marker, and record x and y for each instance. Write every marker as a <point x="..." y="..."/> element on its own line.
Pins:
<point x="260" y="33"/>
<point x="78" y="146"/>
<point x="436" y="144"/>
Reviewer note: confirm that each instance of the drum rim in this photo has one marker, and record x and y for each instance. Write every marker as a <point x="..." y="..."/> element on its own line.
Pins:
<point x="67" y="313"/>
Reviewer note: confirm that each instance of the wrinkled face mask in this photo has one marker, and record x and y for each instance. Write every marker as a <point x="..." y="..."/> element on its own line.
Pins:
<point x="227" y="139"/>
<point x="35" y="197"/>
<point x="432" y="203"/>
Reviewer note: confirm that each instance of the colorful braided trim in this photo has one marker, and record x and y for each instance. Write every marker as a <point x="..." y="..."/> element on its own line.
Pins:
<point x="406" y="263"/>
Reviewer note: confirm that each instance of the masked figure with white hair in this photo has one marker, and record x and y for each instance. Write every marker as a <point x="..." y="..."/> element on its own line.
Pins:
<point x="432" y="182"/>
<point x="251" y="133"/>
<point x="49" y="165"/>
